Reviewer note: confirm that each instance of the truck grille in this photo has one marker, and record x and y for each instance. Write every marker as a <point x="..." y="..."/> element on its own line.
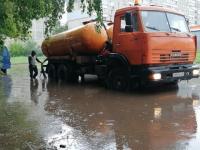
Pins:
<point x="174" y="56"/>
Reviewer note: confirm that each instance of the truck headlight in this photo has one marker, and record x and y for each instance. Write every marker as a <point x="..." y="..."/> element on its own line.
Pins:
<point x="156" y="76"/>
<point x="195" y="72"/>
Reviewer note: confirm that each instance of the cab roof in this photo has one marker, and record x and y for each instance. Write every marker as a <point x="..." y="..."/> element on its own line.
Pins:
<point x="148" y="7"/>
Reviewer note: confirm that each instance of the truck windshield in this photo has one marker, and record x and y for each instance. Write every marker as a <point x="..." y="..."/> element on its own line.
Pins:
<point x="177" y="23"/>
<point x="155" y="21"/>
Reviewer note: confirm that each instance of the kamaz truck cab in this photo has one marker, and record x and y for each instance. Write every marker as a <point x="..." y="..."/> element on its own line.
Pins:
<point x="150" y="44"/>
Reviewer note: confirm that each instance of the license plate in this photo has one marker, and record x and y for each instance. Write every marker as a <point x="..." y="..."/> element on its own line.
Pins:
<point x="179" y="74"/>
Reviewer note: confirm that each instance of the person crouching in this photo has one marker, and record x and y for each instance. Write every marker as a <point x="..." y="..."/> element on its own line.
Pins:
<point x="32" y="65"/>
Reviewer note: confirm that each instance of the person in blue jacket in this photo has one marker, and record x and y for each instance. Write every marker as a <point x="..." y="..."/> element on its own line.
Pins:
<point x="4" y="58"/>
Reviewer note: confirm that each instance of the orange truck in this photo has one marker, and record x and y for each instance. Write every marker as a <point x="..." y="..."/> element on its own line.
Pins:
<point x="145" y="44"/>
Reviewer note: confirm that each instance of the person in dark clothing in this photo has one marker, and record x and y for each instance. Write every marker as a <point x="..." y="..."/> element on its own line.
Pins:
<point x="32" y="65"/>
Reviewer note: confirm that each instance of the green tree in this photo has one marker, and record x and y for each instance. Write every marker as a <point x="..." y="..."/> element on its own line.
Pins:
<point x="59" y="28"/>
<point x="23" y="48"/>
<point x="16" y="15"/>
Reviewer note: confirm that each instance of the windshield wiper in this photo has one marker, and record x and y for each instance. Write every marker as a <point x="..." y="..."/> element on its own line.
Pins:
<point x="153" y="28"/>
<point x="176" y="29"/>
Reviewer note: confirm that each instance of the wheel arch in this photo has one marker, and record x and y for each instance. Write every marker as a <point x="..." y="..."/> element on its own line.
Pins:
<point x="118" y="60"/>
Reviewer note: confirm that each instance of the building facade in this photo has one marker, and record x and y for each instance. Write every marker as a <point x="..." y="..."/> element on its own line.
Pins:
<point x="110" y="6"/>
<point x="190" y="8"/>
<point x="76" y="17"/>
<point x="38" y="31"/>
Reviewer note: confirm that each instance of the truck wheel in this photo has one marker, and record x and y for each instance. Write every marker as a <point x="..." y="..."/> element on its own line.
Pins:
<point x="74" y="77"/>
<point x="51" y="72"/>
<point x="118" y="79"/>
<point x="136" y="84"/>
<point x="63" y="73"/>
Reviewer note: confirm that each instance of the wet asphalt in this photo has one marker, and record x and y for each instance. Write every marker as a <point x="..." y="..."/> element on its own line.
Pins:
<point x="86" y="116"/>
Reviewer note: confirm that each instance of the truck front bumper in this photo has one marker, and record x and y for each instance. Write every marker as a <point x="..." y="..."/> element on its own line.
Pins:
<point x="173" y="73"/>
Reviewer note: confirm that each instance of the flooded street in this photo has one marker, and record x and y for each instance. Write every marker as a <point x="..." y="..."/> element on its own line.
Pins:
<point x="41" y="115"/>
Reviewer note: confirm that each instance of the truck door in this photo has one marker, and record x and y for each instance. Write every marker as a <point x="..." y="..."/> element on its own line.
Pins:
<point x="127" y="39"/>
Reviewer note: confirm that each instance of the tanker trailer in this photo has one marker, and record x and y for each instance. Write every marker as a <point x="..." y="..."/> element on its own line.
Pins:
<point x="73" y="53"/>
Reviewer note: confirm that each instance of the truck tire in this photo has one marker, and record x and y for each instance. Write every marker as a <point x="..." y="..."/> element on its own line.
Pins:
<point x="118" y="79"/>
<point x="67" y="74"/>
<point x="63" y="73"/>
<point x="74" y="77"/>
<point x="52" y="72"/>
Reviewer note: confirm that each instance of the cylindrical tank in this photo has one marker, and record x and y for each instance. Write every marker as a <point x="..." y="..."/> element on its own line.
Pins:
<point x="82" y="40"/>
<point x="110" y="32"/>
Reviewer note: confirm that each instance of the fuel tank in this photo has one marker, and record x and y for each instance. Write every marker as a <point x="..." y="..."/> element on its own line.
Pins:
<point x="84" y="40"/>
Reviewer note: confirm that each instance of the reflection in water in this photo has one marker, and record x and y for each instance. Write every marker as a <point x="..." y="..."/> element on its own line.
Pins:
<point x="87" y="116"/>
<point x="44" y="81"/>
<point x="107" y="120"/>
<point x="16" y="131"/>
<point x="33" y="90"/>
<point x="5" y="85"/>
<point x="195" y="103"/>
<point x="195" y="142"/>
<point x="157" y="113"/>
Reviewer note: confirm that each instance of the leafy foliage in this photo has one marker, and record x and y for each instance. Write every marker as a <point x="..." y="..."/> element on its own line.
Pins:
<point x="21" y="48"/>
<point x="59" y="28"/>
<point x="16" y="15"/>
<point x="90" y="6"/>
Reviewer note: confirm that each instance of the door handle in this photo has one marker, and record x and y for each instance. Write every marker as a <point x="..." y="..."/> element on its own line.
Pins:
<point x="118" y="44"/>
<point x="134" y="39"/>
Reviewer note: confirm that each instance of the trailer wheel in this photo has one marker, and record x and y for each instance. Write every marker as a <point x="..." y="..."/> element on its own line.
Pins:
<point x="63" y="73"/>
<point x="74" y="77"/>
<point x="67" y="74"/>
<point x="51" y="72"/>
<point x="118" y="79"/>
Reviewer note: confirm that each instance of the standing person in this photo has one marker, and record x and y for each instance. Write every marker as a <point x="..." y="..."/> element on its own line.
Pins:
<point x="4" y="58"/>
<point x="32" y="65"/>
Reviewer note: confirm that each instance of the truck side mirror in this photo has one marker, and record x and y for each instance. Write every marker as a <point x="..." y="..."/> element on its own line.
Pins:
<point x="129" y="18"/>
<point x="188" y="22"/>
<point x="129" y="28"/>
<point x="129" y="22"/>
